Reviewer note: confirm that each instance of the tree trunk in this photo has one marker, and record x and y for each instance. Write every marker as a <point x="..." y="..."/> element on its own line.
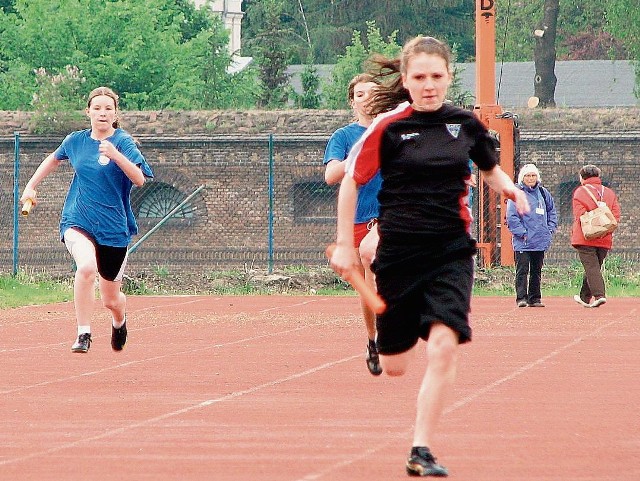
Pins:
<point x="544" y="54"/>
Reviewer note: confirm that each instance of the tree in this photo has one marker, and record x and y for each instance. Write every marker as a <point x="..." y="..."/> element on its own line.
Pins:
<point x="582" y="33"/>
<point x="146" y="50"/>
<point x="310" y="97"/>
<point x="57" y="103"/>
<point x="579" y="23"/>
<point x="545" y="55"/>
<point x="272" y="54"/>
<point x="623" y="21"/>
<point x="591" y="45"/>
<point x="331" y="23"/>
<point x="354" y="61"/>
<point x="203" y="81"/>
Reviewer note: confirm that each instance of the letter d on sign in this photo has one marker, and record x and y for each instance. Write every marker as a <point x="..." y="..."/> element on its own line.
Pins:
<point x="486" y="4"/>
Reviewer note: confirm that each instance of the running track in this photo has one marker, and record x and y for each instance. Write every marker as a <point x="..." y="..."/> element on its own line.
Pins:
<point x="275" y="388"/>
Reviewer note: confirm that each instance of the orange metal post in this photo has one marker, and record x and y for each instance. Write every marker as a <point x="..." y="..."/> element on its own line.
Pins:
<point x="485" y="53"/>
<point x="490" y="113"/>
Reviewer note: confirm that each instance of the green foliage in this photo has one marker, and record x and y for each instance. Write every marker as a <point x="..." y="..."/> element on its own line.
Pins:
<point x="203" y="81"/>
<point x="272" y="53"/>
<point x="161" y="271"/>
<point x="354" y="62"/>
<point x="580" y="28"/>
<point x="456" y="94"/>
<point x="154" y="53"/>
<point x="623" y="21"/>
<point x="18" y="86"/>
<point x="331" y="23"/>
<point x="7" y="5"/>
<point x="621" y="277"/>
<point x="57" y="100"/>
<point x="168" y="54"/>
<point x="29" y="289"/>
<point x="310" y="97"/>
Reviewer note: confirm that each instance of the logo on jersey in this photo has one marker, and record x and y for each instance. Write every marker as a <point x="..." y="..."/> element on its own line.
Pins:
<point x="454" y="130"/>
<point x="409" y="136"/>
<point x="103" y="160"/>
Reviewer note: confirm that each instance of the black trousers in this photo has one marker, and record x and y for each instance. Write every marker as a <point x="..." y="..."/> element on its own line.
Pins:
<point x="529" y="276"/>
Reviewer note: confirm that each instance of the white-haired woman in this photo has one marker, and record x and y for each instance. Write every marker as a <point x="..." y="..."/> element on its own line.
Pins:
<point x="532" y="233"/>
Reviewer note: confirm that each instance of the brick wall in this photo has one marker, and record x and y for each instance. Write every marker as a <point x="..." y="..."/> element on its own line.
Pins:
<point x="228" y="225"/>
<point x="559" y="157"/>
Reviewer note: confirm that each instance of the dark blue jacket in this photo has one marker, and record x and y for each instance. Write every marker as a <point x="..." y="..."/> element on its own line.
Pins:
<point x="533" y="231"/>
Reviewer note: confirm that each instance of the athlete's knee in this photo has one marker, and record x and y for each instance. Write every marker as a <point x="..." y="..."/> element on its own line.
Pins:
<point x="442" y="347"/>
<point x="113" y="301"/>
<point x="393" y="367"/>
<point x="86" y="272"/>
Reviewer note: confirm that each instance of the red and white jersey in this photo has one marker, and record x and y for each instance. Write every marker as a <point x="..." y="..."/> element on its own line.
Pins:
<point x="424" y="161"/>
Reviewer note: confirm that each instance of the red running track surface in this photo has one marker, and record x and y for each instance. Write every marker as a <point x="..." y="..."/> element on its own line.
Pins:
<point x="275" y="388"/>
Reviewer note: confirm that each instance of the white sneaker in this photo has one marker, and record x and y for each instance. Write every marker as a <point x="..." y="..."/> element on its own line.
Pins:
<point x="598" y="302"/>
<point x="581" y="302"/>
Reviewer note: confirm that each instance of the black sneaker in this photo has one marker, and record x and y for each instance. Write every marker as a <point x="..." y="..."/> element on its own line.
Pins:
<point x="537" y="304"/>
<point x="373" y="360"/>
<point x="82" y="344"/>
<point x="119" y="337"/>
<point x="422" y="463"/>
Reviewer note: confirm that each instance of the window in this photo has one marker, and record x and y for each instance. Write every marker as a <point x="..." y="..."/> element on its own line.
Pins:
<point x="314" y="202"/>
<point x="155" y="200"/>
<point x="563" y="201"/>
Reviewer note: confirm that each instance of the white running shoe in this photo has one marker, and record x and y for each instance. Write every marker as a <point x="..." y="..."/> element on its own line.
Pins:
<point x="598" y="302"/>
<point x="581" y="302"/>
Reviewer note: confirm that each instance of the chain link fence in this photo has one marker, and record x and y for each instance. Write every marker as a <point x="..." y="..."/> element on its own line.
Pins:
<point x="260" y="202"/>
<point x="6" y="207"/>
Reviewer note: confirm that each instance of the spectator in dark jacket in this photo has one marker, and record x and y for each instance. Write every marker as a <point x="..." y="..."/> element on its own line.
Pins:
<point x="531" y="235"/>
<point x="592" y="252"/>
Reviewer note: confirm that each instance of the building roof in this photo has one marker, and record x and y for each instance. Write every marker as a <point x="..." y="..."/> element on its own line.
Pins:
<point x="581" y="83"/>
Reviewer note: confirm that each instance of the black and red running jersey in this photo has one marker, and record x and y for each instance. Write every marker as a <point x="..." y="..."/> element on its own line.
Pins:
<point x="423" y="158"/>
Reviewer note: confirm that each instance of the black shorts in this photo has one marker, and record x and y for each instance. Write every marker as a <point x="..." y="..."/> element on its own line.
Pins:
<point x="111" y="261"/>
<point x="416" y="299"/>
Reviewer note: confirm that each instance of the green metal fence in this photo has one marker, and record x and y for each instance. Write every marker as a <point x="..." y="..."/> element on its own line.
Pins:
<point x="260" y="201"/>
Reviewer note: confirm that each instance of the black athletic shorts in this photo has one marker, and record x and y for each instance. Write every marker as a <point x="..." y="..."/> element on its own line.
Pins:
<point x="111" y="261"/>
<point x="422" y="293"/>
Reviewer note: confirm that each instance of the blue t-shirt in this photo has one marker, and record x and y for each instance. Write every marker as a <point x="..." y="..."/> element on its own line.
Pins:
<point x="98" y="200"/>
<point x="338" y="148"/>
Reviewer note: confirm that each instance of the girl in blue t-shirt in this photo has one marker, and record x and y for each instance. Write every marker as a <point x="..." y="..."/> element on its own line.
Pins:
<point x="97" y="221"/>
<point x="365" y="239"/>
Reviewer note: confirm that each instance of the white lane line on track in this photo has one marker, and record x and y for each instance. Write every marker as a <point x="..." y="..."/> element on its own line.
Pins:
<point x="297" y="304"/>
<point x="527" y="367"/>
<point x="457" y="405"/>
<point x="155" y="358"/>
<point x="143" y="309"/>
<point x="72" y="314"/>
<point x="162" y="417"/>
